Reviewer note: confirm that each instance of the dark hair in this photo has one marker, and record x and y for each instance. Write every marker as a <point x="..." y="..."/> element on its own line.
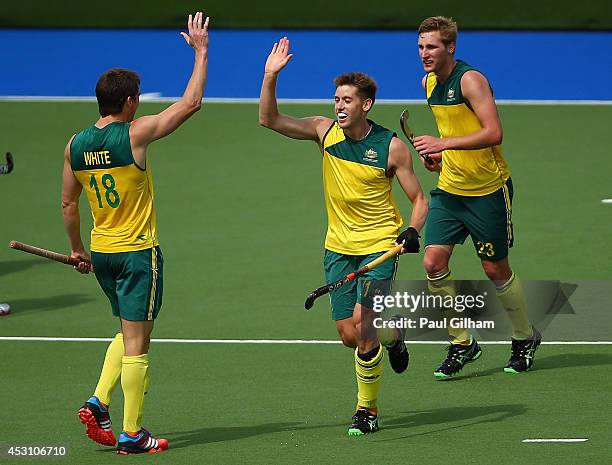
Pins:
<point x="446" y="26"/>
<point x="113" y="89"/>
<point x="366" y="86"/>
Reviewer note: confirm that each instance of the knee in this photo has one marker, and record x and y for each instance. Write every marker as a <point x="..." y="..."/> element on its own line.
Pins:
<point x="434" y="263"/>
<point x="136" y="345"/>
<point x="348" y="340"/>
<point x="347" y="335"/>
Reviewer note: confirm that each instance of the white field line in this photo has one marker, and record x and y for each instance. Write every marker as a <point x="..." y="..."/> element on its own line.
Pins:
<point x="556" y="440"/>
<point x="606" y="200"/>
<point x="263" y="341"/>
<point x="156" y="97"/>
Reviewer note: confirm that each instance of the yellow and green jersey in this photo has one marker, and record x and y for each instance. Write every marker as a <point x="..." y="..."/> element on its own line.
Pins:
<point x="362" y="217"/>
<point x="464" y="172"/>
<point x="120" y="193"/>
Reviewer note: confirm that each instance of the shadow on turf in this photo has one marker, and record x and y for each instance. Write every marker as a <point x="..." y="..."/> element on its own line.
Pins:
<point x="225" y="433"/>
<point x="15" y="266"/>
<point x="56" y="302"/>
<point x="569" y="360"/>
<point x="443" y="416"/>
<point x="572" y="360"/>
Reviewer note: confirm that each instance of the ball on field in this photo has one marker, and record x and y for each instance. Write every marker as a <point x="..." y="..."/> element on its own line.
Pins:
<point x="5" y="309"/>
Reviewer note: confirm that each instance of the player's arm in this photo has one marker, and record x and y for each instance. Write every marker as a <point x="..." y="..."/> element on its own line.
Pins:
<point x="475" y="89"/>
<point x="433" y="162"/>
<point x="400" y="163"/>
<point x="310" y="128"/>
<point x="71" y="191"/>
<point x="147" y="129"/>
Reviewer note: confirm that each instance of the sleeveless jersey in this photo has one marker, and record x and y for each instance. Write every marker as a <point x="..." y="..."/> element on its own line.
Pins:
<point x="362" y="217"/>
<point x="119" y="192"/>
<point x="464" y="172"/>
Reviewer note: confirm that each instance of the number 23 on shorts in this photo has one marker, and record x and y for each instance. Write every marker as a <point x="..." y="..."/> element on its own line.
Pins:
<point x="485" y="248"/>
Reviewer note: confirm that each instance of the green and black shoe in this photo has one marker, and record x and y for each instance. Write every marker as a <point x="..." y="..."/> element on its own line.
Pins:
<point x="364" y="422"/>
<point x="458" y="356"/>
<point x="523" y="352"/>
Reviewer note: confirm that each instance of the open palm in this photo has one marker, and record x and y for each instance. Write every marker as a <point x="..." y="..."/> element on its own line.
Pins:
<point x="279" y="56"/>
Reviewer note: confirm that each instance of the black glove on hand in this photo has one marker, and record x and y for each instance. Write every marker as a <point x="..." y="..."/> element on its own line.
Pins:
<point x="410" y="239"/>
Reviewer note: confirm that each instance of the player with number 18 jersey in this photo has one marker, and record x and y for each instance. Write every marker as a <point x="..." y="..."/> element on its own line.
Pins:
<point x="120" y="193"/>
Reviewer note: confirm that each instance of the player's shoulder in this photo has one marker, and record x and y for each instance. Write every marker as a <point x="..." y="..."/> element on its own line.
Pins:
<point x="323" y="123"/>
<point x="474" y="83"/>
<point x="474" y="76"/>
<point x="324" y="127"/>
<point x="399" y="155"/>
<point x="398" y="146"/>
<point x="68" y="148"/>
<point x="469" y="74"/>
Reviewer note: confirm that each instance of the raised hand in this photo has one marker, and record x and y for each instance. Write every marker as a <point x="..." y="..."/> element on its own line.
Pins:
<point x="279" y="56"/>
<point x="198" y="32"/>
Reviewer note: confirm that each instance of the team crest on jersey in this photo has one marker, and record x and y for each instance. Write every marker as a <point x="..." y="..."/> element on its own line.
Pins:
<point x="451" y="94"/>
<point x="370" y="155"/>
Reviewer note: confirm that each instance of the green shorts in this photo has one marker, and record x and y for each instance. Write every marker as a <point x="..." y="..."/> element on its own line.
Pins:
<point x="487" y="219"/>
<point x="132" y="281"/>
<point x="343" y="299"/>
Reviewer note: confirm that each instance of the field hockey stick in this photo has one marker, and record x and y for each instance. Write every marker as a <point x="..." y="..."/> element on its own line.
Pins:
<point x="6" y="168"/>
<point x="58" y="257"/>
<point x="410" y="135"/>
<point x="351" y="276"/>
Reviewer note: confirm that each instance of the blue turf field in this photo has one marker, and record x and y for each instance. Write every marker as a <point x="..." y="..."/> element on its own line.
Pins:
<point x="520" y="65"/>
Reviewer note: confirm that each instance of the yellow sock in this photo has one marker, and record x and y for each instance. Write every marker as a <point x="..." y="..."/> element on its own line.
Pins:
<point x="512" y="297"/>
<point x="368" y="378"/>
<point x="133" y="381"/>
<point x="111" y="370"/>
<point x="146" y="391"/>
<point x="445" y="286"/>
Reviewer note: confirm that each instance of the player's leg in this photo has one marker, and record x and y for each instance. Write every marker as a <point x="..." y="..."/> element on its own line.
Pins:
<point x="369" y="352"/>
<point x="379" y="282"/>
<point x="368" y="369"/>
<point x="525" y="337"/>
<point x="347" y="332"/>
<point x="510" y="293"/>
<point x="343" y="299"/>
<point x="444" y="229"/>
<point x="94" y="413"/>
<point x="492" y="232"/>
<point x="347" y="316"/>
<point x="135" y="371"/>
<point x="140" y="291"/>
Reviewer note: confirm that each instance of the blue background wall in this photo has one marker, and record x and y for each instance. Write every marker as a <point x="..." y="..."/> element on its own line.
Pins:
<point x="520" y="65"/>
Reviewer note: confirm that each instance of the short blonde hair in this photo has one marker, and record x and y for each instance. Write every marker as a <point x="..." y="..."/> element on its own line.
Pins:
<point x="446" y="26"/>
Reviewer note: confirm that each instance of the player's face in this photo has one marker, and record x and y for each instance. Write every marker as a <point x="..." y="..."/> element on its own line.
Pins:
<point x="433" y="52"/>
<point x="349" y="107"/>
